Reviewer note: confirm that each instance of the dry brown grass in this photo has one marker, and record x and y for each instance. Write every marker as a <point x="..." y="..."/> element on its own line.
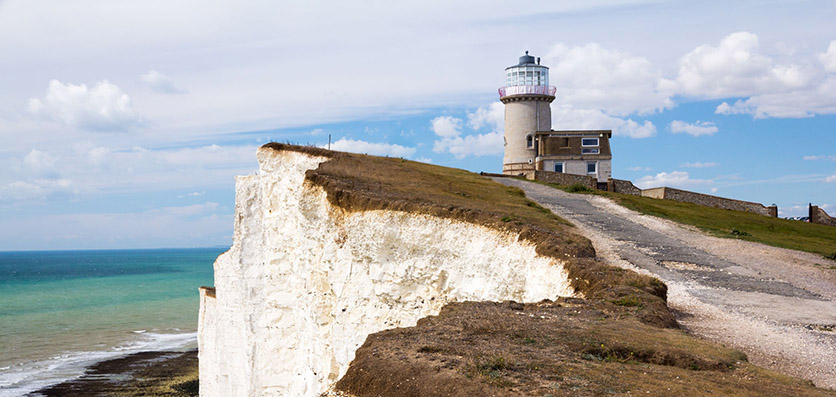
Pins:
<point x="570" y="347"/>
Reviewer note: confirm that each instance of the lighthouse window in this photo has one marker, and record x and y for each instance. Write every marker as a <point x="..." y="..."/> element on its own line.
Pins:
<point x="589" y="142"/>
<point x="529" y="141"/>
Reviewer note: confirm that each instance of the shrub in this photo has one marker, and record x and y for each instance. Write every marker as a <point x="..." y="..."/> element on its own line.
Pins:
<point x="739" y="233"/>
<point x="578" y="187"/>
<point x="629" y="301"/>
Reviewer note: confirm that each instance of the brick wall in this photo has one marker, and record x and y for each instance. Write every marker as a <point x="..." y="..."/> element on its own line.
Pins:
<point x="708" y="200"/>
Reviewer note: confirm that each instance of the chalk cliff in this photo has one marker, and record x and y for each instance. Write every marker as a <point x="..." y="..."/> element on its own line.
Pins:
<point x="306" y="281"/>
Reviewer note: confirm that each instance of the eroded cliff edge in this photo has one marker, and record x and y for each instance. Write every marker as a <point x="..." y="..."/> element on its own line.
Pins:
<point x="307" y="280"/>
<point x="330" y="248"/>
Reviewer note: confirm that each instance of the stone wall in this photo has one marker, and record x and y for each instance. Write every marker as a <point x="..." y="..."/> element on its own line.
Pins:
<point x="817" y="215"/>
<point x="625" y="187"/>
<point x="708" y="200"/>
<point x="563" y="179"/>
<point x="656" y="192"/>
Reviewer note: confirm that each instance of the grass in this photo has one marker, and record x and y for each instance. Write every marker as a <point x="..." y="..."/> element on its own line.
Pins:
<point x="784" y="233"/>
<point x="477" y="354"/>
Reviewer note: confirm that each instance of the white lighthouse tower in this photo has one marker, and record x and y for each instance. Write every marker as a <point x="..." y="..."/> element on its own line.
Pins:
<point x="527" y="96"/>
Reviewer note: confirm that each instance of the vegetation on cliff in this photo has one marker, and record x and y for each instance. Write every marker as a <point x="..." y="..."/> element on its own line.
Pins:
<point x="570" y="347"/>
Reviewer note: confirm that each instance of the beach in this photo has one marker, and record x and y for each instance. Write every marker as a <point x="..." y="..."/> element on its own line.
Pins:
<point x="164" y="373"/>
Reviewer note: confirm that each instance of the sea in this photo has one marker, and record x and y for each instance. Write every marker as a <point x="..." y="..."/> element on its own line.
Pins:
<point x="62" y="311"/>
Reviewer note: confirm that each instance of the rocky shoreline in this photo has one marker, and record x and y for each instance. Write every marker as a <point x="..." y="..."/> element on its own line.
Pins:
<point x="161" y="373"/>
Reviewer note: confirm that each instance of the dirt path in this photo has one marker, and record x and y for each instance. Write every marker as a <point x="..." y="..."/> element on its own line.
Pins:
<point x="777" y="305"/>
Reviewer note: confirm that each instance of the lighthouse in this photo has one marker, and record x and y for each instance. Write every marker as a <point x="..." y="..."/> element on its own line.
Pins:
<point x="527" y="96"/>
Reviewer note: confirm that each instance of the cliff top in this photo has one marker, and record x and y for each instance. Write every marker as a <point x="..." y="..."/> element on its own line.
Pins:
<point x="621" y="338"/>
<point x="358" y="182"/>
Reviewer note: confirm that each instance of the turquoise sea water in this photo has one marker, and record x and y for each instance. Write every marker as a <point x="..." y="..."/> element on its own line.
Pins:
<point x="61" y="311"/>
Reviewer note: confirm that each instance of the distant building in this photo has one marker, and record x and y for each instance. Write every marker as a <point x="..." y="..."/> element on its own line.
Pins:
<point x="531" y="144"/>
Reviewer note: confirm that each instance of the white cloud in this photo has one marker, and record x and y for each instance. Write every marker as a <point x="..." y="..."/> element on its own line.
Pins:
<point x="471" y="145"/>
<point x="39" y="161"/>
<point x="492" y="115"/>
<point x="446" y="126"/>
<point x="679" y="179"/>
<point x="696" y="129"/>
<point x="449" y="129"/>
<point x="378" y="149"/>
<point x="618" y="83"/>
<point x="639" y="168"/>
<point x="734" y="68"/>
<point x="192" y="194"/>
<point x="34" y="189"/>
<point x="424" y="160"/>
<point x="819" y="98"/>
<point x="830" y="179"/>
<point x="567" y="117"/>
<point x="84" y="170"/>
<point x="820" y="157"/>
<point x="700" y="164"/>
<point x="103" y="108"/>
<point x="828" y="58"/>
<point x="160" y="83"/>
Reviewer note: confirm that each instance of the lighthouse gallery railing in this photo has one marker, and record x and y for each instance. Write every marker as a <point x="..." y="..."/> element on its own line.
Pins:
<point x="527" y="89"/>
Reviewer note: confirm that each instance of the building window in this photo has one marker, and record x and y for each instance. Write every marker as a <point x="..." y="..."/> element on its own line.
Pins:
<point x="558" y="167"/>
<point x="592" y="167"/>
<point x="589" y="142"/>
<point x="589" y="151"/>
<point x="529" y="141"/>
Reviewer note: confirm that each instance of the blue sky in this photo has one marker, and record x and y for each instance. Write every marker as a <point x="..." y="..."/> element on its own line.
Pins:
<point x="124" y="123"/>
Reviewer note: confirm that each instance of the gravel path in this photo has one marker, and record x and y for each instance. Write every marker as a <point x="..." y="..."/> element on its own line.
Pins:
<point x="775" y="304"/>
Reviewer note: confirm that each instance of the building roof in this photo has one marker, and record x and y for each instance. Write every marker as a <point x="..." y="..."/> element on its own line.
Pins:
<point x="528" y="60"/>
<point x="608" y="133"/>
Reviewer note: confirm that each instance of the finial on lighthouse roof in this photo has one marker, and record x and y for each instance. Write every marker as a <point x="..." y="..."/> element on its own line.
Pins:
<point x="526" y="59"/>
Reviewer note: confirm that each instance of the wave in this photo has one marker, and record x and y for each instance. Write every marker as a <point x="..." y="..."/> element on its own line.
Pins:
<point x="25" y="378"/>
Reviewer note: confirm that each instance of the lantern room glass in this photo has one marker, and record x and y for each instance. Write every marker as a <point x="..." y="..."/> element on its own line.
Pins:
<point x="527" y="75"/>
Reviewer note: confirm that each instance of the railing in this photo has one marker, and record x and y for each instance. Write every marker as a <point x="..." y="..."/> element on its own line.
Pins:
<point x="527" y="89"/>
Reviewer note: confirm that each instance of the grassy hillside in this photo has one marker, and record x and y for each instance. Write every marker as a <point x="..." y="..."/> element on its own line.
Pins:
<point x="802" y="236"/>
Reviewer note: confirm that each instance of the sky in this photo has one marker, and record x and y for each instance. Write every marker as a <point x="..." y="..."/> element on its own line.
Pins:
<point x="123" y="124"/>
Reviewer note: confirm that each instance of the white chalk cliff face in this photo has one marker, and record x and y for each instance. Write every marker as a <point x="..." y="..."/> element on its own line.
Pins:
<point x="305" y="282"/>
